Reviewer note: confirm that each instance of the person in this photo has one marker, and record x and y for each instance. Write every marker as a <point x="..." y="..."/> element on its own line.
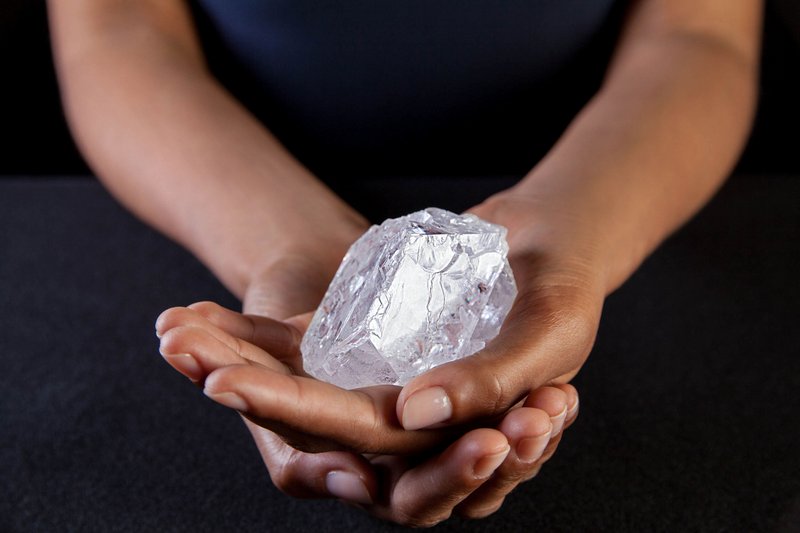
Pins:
<point x="175" y="147"/>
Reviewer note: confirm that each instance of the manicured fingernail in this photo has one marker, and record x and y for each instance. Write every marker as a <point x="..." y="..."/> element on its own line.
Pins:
<point x="487" y="464"/>
<point x="228" y="399"/>
<point x="427" y="407"/>
<point x="558" y="421"/>
<point x="573" y="410"/>
<point x="530" y="449"/>
<point x="186" y="364"/>
<point x="347" y="486"/>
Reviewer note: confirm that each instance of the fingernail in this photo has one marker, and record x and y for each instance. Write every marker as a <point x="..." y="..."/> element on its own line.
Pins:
<point x="186" y="364"/>
<point x="573" y="410"/>
<point x="228" y="399"/>
<point x="487" y="464"/>
<point x="530" y="449"/>
<point x="347" y="486"/>
<point x="558" y="422"/>
<point x="427" y="407"/>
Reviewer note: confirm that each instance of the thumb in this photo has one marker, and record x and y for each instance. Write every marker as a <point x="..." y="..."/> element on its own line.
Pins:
<point x="549" y="332"/>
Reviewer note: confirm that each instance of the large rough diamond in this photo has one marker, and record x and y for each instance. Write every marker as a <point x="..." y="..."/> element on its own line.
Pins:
<point x="413" y="293"/>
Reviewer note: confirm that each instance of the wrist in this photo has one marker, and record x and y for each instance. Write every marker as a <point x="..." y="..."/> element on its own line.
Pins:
<point x="557" y="245"/>
<point x="256" y="246"/>
<point x="313" y="250"/>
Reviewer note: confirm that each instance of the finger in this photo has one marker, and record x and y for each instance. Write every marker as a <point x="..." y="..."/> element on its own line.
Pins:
<point x="545" y="336"/>
<point x="551" y="448"/>
<point x="573" y="404"/>
<point x="426" y="494"/>
<point x="342" y="475"/>
<point x="271" y="331"/>
<point x="534" y="432"/>
<point x="528" y="431"/>
<point x="322" y="415"/>
<point x="197" y="351"/>
<point x="277" y="337"/>
<point x="175" y="317"/>
<point x="553" y="401"/>
<point x="179" y="316"/>
<point x="556" y="401"/>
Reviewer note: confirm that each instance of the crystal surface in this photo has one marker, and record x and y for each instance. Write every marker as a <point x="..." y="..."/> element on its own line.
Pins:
<point x="412" y="293"/>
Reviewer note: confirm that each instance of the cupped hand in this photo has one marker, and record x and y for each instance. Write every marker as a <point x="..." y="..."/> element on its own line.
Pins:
<point x="433" y="477"/>
<point x="547" y="335"/>
<point x="223" y="351"/>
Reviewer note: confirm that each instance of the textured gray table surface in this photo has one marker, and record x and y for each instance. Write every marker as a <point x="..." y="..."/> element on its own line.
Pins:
<point x="690" y="400"/>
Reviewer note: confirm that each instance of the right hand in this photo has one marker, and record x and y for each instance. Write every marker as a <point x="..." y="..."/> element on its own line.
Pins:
<point x="421" y="486"/>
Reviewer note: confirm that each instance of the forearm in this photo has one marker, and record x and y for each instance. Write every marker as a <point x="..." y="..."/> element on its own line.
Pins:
<point x="179" y="151"/>
<point x="650" y="149"/>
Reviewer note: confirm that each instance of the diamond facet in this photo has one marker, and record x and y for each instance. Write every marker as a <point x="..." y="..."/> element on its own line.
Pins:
<point x="411" y="294"/>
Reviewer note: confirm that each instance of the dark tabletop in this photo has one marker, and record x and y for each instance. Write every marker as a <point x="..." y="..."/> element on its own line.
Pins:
<point x="690" y="402"/>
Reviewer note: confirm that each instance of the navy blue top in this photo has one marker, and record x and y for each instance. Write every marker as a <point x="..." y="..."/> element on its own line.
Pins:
<point x="411" y="86"/>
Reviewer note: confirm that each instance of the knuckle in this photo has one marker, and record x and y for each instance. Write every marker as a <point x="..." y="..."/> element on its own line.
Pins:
<point x="568" y="312"/>
<point x="491" y="389"/>
<point x="366" y="431"/>
<point x="251" y="323"/>
<point x="238" y="347"/>
<point x="285" y="475"/>
<point x="497" y="391"/>
<point x="581" y="329"/>
<point x="482" y="388"/>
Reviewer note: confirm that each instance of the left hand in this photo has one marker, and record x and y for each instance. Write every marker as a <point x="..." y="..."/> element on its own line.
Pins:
<point x="548" y="333"/>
